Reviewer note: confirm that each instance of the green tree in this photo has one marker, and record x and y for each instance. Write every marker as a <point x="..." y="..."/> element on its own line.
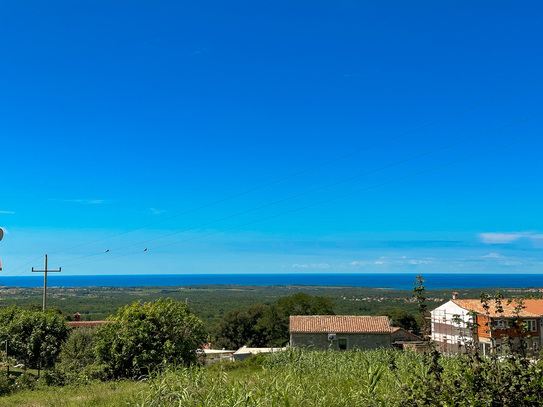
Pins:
<point x="145" y="336"/>
<point x="420" y="296"/>
<point x="34" y="337"/>
<point x="78" y="350"/>
<point x="239" y="328"/>
<point x="275" y="321"/>
<point x="402" y="319"/>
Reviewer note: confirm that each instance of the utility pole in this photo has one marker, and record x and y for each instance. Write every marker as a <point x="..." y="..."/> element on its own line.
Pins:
<point x="7" y="357"/>
<point x="45" y="281"/>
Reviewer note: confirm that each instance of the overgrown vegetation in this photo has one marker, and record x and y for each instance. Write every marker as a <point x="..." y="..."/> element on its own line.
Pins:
<point x="32" y="337"/>
<point x="156" y="342"/>
<point x="357" y="378"/>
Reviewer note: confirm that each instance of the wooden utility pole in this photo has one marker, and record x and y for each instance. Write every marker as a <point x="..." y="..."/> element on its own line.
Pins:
<point x="45" y="281"/>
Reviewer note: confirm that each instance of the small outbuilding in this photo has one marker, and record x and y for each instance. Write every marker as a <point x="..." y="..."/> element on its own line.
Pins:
<point x="340" y="332"/>
<point x="244" y="352"/>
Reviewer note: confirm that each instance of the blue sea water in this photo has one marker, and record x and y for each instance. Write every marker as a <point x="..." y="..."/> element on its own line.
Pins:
<point x="381" y="280"/>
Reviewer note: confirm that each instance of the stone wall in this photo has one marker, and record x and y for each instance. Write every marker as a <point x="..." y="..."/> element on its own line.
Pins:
<point x="354" y="341"/>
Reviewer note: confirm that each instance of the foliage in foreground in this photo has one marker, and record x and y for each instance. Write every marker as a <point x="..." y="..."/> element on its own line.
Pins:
<point x="98" y="394"/>
<point x="33" y="337"/>
<point x="315" y="378"/>
<point x="357" y="378"/>
<point x="144" y="336"/>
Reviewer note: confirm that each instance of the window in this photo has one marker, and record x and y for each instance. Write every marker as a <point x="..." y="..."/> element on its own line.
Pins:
<point x="531" y="325"/>
<point x="501" y="324"/>
<point x="342" y="343"/>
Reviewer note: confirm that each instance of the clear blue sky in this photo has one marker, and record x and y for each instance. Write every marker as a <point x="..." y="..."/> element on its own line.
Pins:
<point x="126" y="115"/>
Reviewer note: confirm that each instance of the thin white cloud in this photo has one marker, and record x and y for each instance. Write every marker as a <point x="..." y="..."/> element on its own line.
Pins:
<point x="155" y="211"/>
<point x="500" y="238"/>
<point x="7" y="212"/>
<point x="83" y="201"/>
<point x="507" y="238"/>
<point x="379" y="262"/>
<point x="416" y="262"/>
<point x="493" y="256"/>
<point x="313" y="265"/>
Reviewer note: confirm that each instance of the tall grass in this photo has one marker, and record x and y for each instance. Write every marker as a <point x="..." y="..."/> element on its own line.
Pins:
<point x="358" y="378"/>
<point x="316" y="378"/>
<point x="293" y="378"/>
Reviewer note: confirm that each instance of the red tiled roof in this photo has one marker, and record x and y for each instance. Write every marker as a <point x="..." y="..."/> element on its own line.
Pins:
<point x="339" y="324"/>
<point x="86" y="324"/>
<point x="533" y="308"/>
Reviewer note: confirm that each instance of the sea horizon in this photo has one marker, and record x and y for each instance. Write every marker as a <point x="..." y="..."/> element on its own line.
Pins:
<point x="398" y="281"/>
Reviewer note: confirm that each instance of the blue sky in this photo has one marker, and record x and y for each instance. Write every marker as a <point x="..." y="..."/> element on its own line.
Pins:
<point x="238" y="137"/>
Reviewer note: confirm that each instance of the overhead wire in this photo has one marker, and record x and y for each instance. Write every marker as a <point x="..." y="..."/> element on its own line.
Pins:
<point x="312" y="168"/>
<point x="418" y="173"/>
<point x="344" y="180"/>
<point x="296" y="174"/>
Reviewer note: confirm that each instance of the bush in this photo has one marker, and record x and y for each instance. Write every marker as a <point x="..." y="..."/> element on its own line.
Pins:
<point x="5" y="385"/>
<point x="34" y="337"/>
<point x="146" y="336"/>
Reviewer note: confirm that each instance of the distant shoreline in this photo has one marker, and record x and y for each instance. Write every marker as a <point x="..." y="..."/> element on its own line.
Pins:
<point x="385" y="281"/>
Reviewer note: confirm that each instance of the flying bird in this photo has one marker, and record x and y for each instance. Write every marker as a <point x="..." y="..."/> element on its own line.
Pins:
<point x="145" y="249"/>
<point x="107" y="250"/>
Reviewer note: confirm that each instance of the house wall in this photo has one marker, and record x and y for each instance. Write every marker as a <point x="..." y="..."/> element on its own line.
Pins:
<point x="484" y="328"/>
<point x="448" y="334"/>
<point x="354" y="341"/>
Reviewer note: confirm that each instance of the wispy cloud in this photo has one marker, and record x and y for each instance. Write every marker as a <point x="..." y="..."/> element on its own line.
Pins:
<point x="506" y="238"/>
<point x="155" y="211"/>
<point x="7" y="212"/>
<point x="392" y="261"/>
<point x="493" y="256"/>
<point x="312" y="265"/>
<point x="83" y="201"/>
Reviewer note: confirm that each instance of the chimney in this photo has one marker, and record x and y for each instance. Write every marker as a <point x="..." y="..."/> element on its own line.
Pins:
<point x="77" y="316"/>
<point x="455" y="295"/>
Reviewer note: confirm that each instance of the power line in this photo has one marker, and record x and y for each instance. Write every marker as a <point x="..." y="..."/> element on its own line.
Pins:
<point x="418" y="173"/>
<point x="312" y="168"/>
<point x="403" y="161"/>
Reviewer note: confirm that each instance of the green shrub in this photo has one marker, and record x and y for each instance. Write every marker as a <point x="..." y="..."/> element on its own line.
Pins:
<point x="24" y="381"/>
<point x="145" y="336"/>
<point x="5" y="385"/>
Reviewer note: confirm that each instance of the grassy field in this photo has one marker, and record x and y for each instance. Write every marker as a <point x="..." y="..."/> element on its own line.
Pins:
<point x="311" y="378"/>
<point x="98" y="394"/>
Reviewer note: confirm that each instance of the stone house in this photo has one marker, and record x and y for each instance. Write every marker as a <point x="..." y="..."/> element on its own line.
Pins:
<point x="340" y="332"/>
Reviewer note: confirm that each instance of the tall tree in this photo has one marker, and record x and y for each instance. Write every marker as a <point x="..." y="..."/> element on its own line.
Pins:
<point x="239" y="328"/>
<point x="144" y="336"/>
<point x="33" y="337"/>
<point x="276" y="318"/>
<point x="420" y="296"/>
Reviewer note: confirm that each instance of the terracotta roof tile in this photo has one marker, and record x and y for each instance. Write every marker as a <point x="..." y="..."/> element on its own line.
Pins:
<point x="533" y="308"/>
<point x="339" y="324"/>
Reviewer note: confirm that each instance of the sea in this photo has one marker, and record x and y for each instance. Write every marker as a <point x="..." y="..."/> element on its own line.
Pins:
<point x="396" y="281"/>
